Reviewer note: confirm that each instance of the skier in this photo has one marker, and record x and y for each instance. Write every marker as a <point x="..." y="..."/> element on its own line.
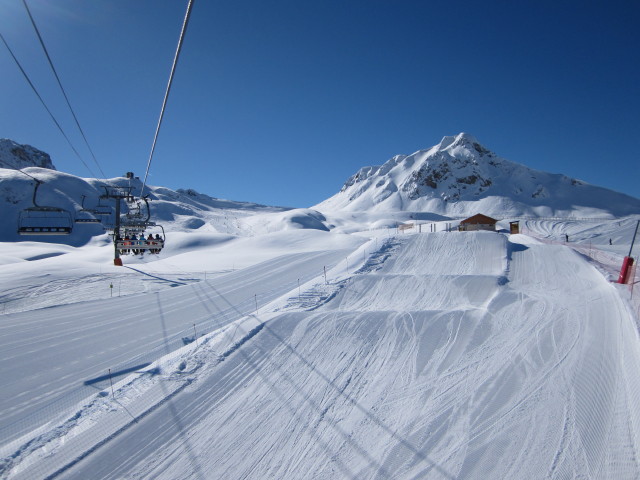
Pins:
<point x="159" y="243"/>
<point x="134" y="242"/>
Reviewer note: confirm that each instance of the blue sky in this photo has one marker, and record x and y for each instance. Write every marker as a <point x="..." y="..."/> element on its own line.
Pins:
<point x="279" y="102"/>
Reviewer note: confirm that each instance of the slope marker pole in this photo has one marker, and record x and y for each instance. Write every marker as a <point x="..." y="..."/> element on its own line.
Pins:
<point x="111" y="382"/>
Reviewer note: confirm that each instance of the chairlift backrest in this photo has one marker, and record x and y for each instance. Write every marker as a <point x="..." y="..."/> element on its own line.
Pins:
<point x="44" y="220"/>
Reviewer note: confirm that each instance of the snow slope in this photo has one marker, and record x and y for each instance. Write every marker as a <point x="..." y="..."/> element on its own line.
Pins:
<point x="445" y="355"/>
<point x="89" y="335"/>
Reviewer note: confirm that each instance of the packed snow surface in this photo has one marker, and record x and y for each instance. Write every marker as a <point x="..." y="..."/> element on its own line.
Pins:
<point x="433" y="355"/>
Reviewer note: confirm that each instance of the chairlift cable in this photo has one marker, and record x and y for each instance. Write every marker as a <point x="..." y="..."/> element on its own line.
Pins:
<point x="30" y="176"/>
<point x="64" y="93"/>
<point x="166" y="95"/>
<point x="44" y="104"/>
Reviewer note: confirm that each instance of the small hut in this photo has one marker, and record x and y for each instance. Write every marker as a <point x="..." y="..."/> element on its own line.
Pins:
<point x="514" y="227"/>
<point x="478" y="222"/>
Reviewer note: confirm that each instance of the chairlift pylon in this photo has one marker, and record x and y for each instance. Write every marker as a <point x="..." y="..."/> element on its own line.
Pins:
<point x="44" y="220"/>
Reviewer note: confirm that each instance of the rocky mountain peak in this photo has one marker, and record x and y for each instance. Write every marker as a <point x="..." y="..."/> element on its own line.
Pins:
<point x="16" y="156"/>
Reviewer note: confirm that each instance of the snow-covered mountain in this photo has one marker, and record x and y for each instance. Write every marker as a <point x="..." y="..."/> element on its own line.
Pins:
<point x="460" y="177"/>
<point x="16" y="156"/>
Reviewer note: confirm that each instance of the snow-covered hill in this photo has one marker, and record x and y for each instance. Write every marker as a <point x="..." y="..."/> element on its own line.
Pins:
<point x="16" y="156"/>
<point x="460" y="177"/>
<point x="181" y="210"/>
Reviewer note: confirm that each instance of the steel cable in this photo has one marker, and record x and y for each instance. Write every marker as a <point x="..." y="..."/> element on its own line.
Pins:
<point x="45" y="105"/>
<point x="166" y="95"/>
<point x="64" y="93"/>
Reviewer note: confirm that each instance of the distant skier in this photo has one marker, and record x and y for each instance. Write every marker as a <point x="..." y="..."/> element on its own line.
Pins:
<point x="566" y="238"/>
<point x="610" y="242"/>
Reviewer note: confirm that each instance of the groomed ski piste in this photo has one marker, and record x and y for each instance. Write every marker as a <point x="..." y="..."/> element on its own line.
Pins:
<point x="434" y="355"/>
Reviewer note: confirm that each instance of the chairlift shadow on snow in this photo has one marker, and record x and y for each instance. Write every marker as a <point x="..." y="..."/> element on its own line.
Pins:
<point x="119" y="373"/>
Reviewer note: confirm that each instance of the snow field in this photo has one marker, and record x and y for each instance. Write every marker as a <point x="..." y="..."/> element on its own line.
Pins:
<point x="448" y="355"/>
<point x="58" y="349"/>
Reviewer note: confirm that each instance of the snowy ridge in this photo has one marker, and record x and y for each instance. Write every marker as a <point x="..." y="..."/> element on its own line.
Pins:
<point x="460" y="177"/>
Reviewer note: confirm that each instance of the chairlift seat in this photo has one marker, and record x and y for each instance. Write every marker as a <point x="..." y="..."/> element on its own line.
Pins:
<point x="44" y="230"/>
<point x="88" y="220"/>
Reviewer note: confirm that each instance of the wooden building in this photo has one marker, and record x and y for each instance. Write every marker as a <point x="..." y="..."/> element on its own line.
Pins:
<point x="478" y="222"/>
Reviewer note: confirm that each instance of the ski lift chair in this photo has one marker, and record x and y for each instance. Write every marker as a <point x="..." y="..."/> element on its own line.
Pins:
<point x="141" y="244"/>
<point x="43" y="220"/>
<point x="86" y="215"/>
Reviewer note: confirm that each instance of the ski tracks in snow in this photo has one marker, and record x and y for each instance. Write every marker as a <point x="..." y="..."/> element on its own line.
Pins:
<point x="449" y="355"/>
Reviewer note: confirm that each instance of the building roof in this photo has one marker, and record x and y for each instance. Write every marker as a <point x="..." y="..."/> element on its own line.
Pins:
<point x="479" y="219"/>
